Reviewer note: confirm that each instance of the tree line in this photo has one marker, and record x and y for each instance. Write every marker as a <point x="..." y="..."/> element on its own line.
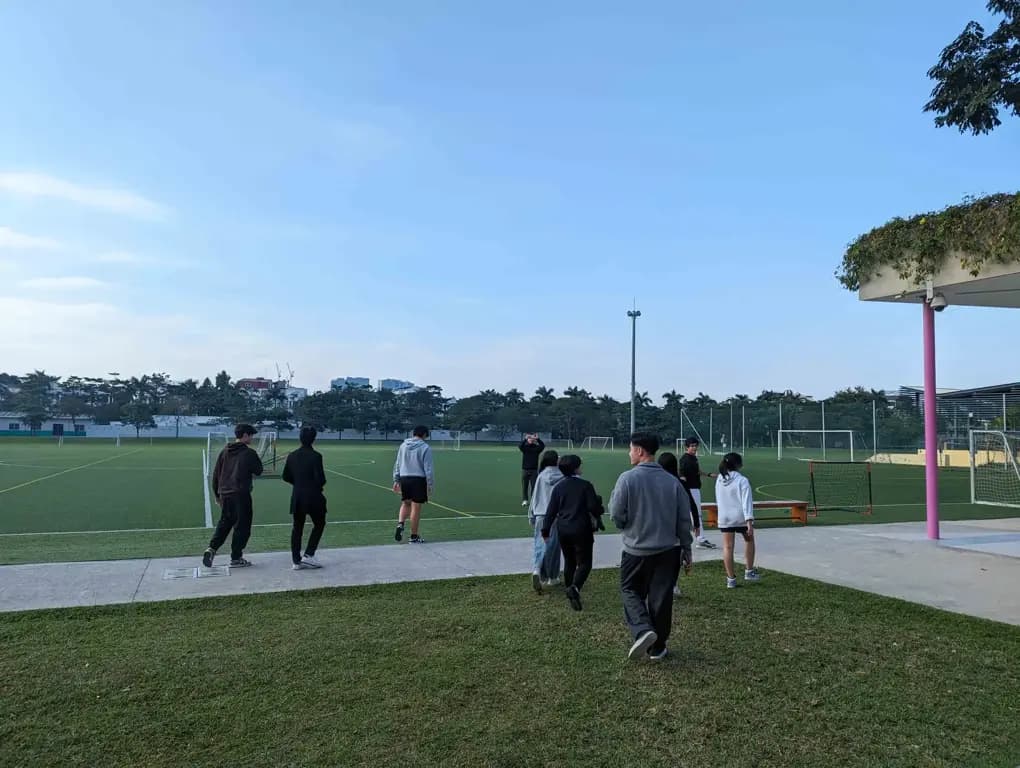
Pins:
<point x="574" y="414"/>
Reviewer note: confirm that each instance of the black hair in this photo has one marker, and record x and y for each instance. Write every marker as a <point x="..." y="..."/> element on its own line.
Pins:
<point x="669" y="463"/>
<point x="549" y="459"/>
<point x="244" y="429"/>
<point x="646" y="441"/>
<point x="731" y="462"/>
<point x="691" y="441"/>
<point x="421" y="431"/>
<point x="307" y="436"/>
<point x="569" y="464"/>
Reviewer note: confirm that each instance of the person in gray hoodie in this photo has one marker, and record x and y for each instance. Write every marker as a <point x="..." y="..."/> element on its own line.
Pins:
<point x="651" y="509"/>
<point x="546" y="560"/>
<point x="413" y="479"/>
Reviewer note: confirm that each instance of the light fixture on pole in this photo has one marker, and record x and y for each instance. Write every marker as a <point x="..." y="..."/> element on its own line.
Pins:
<point x="633" y="314"/>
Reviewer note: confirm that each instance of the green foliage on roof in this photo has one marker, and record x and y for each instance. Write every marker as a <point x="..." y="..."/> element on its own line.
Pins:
<point x="978" y="231"/>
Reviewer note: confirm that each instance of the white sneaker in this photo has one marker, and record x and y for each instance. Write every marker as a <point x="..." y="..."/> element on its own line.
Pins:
<point x="752" y="575"/>
<point x="302" y="566"/>
<point x="731" y="583"/>
<point x="677" y="592"/>
<point x="552" y="582"/>
<point x="311" y="562"/>
<point x="640" y="648"/>
<point x="524" y="503"/>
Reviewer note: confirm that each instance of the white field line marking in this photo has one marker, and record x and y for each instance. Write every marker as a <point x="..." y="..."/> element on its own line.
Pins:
<point x="4" y="464"/>
<point x="390" y="490"/>
<point x="66" y="471"/>
<point x="256" y="525"/>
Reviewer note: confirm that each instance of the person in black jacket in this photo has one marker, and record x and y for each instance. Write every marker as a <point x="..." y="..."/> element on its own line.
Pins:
<point x="236" y="468"/>
<point x="531" y="448"/>
<point x="305" y="473"/>
<point x="576" y="511"/>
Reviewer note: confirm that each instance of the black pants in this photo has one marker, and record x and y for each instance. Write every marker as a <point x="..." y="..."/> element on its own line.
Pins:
<point x="528" y="483"/>
<point x="235" y="512"/>
<point x="577" y="558"/>
<point x="297" y="531"/>
<point x="646" y="585"/>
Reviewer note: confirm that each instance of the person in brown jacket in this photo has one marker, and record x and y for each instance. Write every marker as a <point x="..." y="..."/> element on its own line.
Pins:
<point x="236" y="469"/>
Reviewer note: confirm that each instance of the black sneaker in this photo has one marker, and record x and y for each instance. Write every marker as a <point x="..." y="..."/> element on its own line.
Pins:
<point x="399" y="534"/>
<point x="574" y="596"/>
<point x="207" y="557"/>
<point x="240" y="563"/>
<point x="417" y="539"/>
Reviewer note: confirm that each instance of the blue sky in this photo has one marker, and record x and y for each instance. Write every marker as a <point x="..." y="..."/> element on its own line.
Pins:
<point x="471" y="195"/>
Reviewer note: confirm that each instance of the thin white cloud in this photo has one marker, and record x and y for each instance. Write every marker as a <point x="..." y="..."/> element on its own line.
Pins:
<point x="118" y="201"/>
<point x="20" y="241"/>
<point x="68" y="283"/>
<point x="121" y="257"/>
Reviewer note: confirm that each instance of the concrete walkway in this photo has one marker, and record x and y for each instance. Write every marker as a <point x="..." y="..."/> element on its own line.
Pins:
<point x="974" y="570"/>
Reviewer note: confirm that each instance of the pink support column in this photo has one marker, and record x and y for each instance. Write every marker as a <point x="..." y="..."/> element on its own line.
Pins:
<point x="931" y="425"/>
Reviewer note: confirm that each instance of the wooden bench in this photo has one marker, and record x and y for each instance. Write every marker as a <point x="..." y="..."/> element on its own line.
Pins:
<point x="798" y="511"/>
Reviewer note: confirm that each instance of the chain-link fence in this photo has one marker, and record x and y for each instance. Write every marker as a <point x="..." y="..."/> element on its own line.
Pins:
<point x="892" y="424"/>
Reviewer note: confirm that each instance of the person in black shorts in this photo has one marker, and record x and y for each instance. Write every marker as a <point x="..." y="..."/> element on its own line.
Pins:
<point x="735" y="502"/>
<point x="413" y="479"/>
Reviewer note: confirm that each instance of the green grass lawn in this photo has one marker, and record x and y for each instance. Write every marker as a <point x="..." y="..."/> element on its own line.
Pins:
<point x="82" y="490"/>
<point x="482" y="672"/>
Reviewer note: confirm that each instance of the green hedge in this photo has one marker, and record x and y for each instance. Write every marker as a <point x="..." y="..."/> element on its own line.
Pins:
<point x="986" y="230"/>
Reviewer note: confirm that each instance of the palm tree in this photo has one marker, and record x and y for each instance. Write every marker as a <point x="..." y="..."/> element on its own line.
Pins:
<point x="545" y="395"/>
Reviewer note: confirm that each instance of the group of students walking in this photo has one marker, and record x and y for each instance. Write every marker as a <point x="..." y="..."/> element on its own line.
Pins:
<point x="232" y="481"/>
<point x="239" y="464"/>
<point x="654" y="507"/>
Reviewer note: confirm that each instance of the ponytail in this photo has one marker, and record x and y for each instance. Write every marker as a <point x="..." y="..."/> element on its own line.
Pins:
<point x="731" y="462"/>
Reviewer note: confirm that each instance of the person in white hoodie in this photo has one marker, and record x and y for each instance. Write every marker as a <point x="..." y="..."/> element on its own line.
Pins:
<point x="736" y="515"/>
<point x="546" y="562"/>
<point x="413" y="479"/>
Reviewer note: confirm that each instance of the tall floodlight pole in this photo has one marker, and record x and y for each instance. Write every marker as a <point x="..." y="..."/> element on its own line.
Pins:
<point x="633" y="314"/>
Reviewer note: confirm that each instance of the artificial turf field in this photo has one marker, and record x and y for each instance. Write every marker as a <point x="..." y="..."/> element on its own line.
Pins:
<point x="471" y="672"/>
<point x="92" y="500"/>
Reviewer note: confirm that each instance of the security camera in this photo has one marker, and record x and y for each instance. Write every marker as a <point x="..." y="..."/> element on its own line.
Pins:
<point x="938" y="302"/>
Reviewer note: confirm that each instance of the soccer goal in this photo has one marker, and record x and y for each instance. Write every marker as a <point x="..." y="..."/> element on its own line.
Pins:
<point x="265" y="447"/>
<point x="214" y="443"/>
<point x="840" y="485"/>
<point x="450" y="443"/>
<point x="994" y="474"/>
<point x="681" y="449"/>
<point x="816" y="444"/>
<point x="687" y="424"/>
<point x="597" y="443"/>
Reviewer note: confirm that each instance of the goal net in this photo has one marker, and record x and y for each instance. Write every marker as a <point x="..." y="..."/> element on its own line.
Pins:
<point x="265" y="446"/>
<point x="597" y="443"/>
<point x="816" y="444"/>
<point x="685" y="425"/>
<point x="840" y="485"/>
<point x="994" y="474"/>
<point x="681" y="449"/>
<point x="450" y="441"/>
<point x="214" y="443"/>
